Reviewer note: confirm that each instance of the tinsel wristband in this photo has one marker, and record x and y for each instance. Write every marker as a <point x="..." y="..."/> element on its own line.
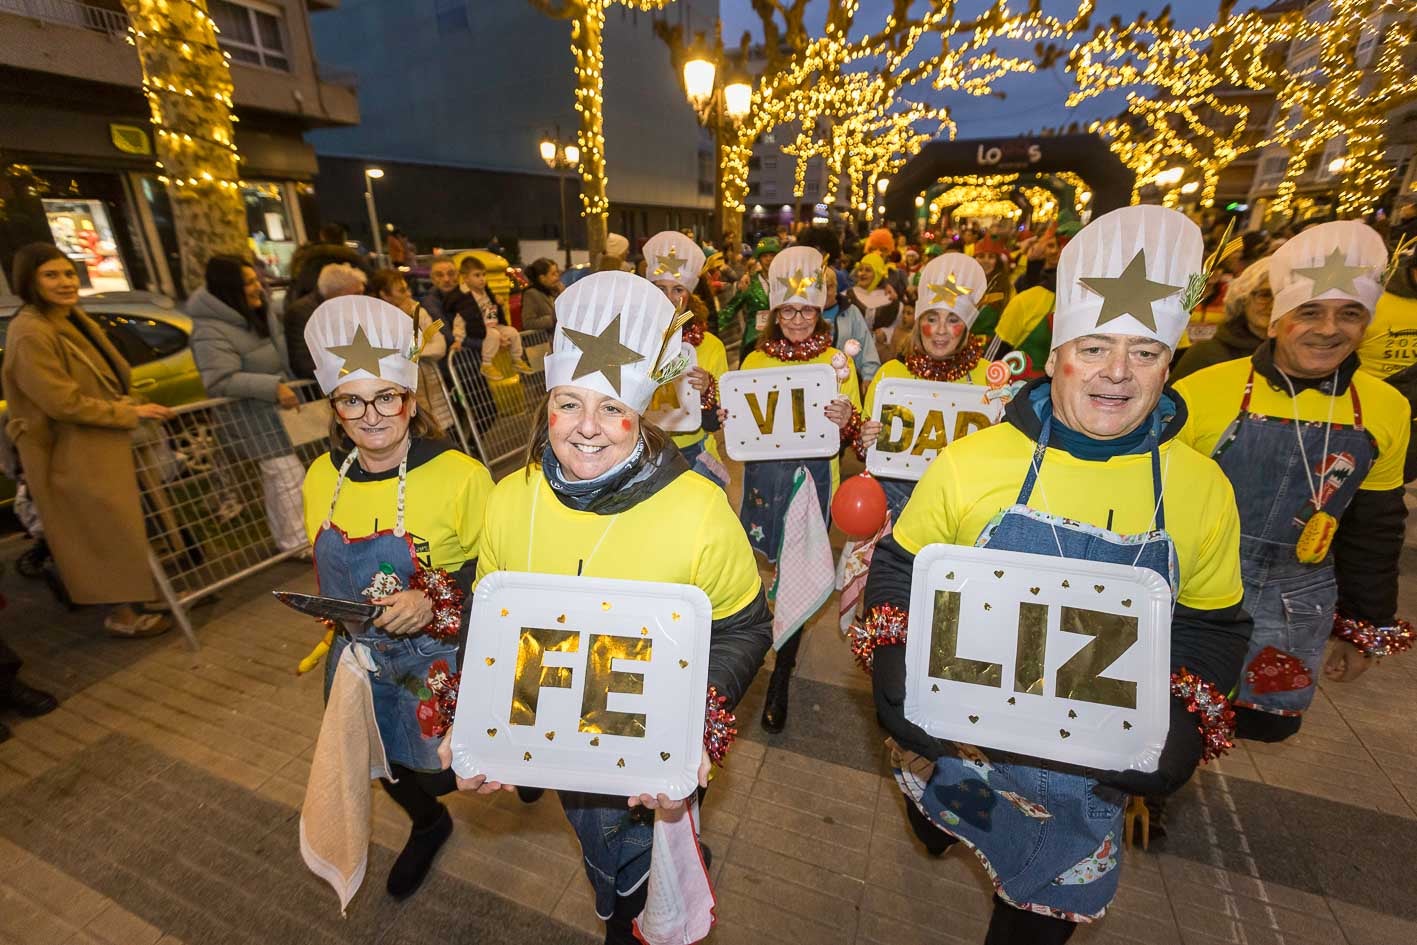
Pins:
<point x="446" y="596"/>
<point x="1373" y="640"/>
<point x="720" y="726"/>
<point x="884" y="626"/>
<point x="1214" y="715"/>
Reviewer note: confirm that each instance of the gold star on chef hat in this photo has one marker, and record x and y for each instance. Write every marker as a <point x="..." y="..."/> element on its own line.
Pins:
<point x="602" y="352"/>
<point x="798" y="283"/>
<point x="670" y="263"/>
<point x="948" y="291"/>
<point x="1131" y="293"/>
<point x="1335" y="273"/>
<point x="360" y="355"/>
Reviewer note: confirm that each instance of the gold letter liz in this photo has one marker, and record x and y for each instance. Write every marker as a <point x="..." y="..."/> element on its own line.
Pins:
<point x="1080" y="677"/>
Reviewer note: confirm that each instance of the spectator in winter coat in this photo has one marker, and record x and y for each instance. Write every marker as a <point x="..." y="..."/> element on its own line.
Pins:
<point x="308" y="260"/>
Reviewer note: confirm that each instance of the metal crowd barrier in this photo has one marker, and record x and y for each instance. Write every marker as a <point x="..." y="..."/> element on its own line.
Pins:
<point x="498" y="414"/>
<point x="221" y="491"/>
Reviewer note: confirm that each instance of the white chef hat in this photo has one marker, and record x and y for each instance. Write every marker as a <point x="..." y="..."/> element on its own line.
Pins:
<point x="610" y="329"/>
<point x="952" y="282"/>
<point x="354" y="337"/>
<point x="1129" y="272"/>
<point x="795" y="276"/>
<point x="1344" y="259"/>
<point x="673" y="257"/>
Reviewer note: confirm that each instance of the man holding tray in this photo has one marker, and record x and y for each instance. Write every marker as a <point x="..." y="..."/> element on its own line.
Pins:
<point x="1084" y="466"/>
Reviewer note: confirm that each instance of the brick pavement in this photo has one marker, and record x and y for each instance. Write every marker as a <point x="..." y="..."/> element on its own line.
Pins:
<point x="159" y="804"/>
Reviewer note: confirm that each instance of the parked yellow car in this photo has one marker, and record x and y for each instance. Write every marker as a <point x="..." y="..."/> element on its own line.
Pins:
<point x="150" y="332"/>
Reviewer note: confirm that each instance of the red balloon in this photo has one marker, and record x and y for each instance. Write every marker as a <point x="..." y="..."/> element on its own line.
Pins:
<point x="859" y="507"/>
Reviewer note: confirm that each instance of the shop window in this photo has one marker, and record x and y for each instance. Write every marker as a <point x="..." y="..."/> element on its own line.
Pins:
<point x="251" y="34"/>
<point x="83" y="231"/>
<point x="268" y="224"/>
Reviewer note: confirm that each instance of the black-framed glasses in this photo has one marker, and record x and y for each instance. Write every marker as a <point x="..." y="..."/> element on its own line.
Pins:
<point x="386" y="403"/>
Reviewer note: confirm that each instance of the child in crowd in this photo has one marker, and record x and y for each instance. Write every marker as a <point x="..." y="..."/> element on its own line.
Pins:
<point x="472" y="276"/>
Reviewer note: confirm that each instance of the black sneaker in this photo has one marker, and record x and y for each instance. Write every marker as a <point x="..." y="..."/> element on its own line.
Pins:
<point x="28" y="701"/>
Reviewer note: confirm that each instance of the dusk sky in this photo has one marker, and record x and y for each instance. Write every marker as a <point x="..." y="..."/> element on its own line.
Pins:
<point x="1033" y="101"/>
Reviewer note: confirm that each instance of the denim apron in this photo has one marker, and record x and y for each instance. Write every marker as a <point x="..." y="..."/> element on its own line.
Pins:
<point x="1292" y="603"/>
<point x="345" y="567"/>
<point x="767" y="488"/>
<point x="1048" y="836"/>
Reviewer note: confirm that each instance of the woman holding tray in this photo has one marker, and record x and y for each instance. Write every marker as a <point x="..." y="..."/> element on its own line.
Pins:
<point x="605" y="494"/>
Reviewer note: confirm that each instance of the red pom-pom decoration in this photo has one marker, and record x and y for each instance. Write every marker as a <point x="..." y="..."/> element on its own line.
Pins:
<point x="719" y="726"/>
<point x="859" y="507"/>
<point x="446" y="597"/>
<point x="885" y="626"/>
<point x="1214" y="715"/>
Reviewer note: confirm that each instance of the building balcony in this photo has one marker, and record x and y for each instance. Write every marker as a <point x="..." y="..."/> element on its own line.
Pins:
<point x="111" y="21"/>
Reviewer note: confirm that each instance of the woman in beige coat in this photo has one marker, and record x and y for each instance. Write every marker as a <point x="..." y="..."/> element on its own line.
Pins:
<point x="71" y="417"/>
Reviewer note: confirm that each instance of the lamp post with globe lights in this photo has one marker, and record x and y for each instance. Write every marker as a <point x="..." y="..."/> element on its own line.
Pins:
<point x="372" y="174"/>
<point x="561" y="158"/>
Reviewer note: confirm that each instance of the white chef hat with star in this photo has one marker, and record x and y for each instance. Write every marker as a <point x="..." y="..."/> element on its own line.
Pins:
<point x="613" y="336"/>
<point x="1129" y="272"/>
<point x="673" y="257"/>
<point x="952" y="282"/>
<point x="795" y="278"/>
<point x="354" y="337"/>
<point x="1344" y="260"/>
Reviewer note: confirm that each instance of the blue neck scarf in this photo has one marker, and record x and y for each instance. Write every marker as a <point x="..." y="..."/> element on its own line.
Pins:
<point x="1082" y="446"/>
<point x="581" y="493"/>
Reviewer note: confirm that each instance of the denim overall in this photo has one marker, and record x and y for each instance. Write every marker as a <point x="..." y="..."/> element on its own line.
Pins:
<point x="1048" y="836"/>
<point x="344" y="567"/>
<point x="1292" y="603"/>
<point x="767" y="488"/>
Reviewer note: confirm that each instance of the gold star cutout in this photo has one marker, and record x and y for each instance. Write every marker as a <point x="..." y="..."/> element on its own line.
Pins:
<point x="360" y="355"/>
<point x="1131" y="293"/>
<point x="948" y="292"/>
<point x="670" y="263"/>
<point x="603" y="353"/>
<point x="1333" y="274"/>
<point x="798" y="283"/>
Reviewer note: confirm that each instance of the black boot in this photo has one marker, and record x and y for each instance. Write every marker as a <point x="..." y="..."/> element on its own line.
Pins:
<point x="619" y="928"/>
<point x="775" y="705"/>
<point x="413" y="863"/>
<point x="27" y="701"/>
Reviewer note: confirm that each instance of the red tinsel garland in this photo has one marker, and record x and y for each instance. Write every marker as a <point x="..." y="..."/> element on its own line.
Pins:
<point x="950" y="369"/>
<point x="851" y="433"/>
<point x="885" y="626"/>
<point x="694" y="333"/>
<point x="719" y="726"/>
<point x="446" y="597"/>
<point x="1213" y="712"/>
<point x="708" y="398"/>
<point x="1374" y="640"/>
<point x="804" y="350"/>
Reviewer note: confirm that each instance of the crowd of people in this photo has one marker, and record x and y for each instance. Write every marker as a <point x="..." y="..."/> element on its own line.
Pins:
<point x="1265" y="488"/>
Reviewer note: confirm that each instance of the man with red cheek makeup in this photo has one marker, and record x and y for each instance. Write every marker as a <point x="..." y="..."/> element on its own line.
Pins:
<point x="1315" y="450"/>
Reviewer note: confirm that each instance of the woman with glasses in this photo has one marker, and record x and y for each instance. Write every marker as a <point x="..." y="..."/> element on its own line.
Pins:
<point x="1248" y="303"/>
<point x="796" y="334"/>
<point x="395" y="515"/>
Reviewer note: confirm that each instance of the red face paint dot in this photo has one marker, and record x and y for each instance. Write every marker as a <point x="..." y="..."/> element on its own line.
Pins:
<point x="927" y="330"/>
<point x="1068" y="370"/>
<point x="551" y="421"/>
<point x="625" y="425"/>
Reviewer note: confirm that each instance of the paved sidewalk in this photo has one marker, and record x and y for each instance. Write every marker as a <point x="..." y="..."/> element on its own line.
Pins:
<point x="159" y="804"/>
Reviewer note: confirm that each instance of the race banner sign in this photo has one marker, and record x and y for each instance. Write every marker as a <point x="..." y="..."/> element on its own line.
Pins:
<point x="584" y="684"/>
<point x="1050" y="657"/>
<point x="778" y="413"/>
<point x="919" y="418"/>
<point x="676" y="405"/>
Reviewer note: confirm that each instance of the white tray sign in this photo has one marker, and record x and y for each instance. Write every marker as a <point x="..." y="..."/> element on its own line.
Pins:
<point x="676" y="405"/>
<point x="778" y="413"/>
<point x="584" y="684"/>
<point x="1050" y="657"/>
<point x="919" y="418"/>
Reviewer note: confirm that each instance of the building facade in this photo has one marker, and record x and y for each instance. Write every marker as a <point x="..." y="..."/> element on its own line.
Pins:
<point x="773" y="200"/>
<point x="458" y="94"/>
<point x="77" y="159"/>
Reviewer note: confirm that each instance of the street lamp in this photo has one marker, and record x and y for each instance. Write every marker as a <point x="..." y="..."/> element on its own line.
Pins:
<point x="1190" y="187"/>
<point x="720" y="102"/>
<point x="372" y="174"/>
<point x="561" y="158"/>
<point x="1338" y="165"/>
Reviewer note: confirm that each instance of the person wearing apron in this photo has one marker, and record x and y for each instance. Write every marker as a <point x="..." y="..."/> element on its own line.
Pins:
<point x="940" y="348"/>
<point x="607" y="497"/>
<point x="674" y="263"/>
<point x="1086" y="465"/>
<point x="796" y="334"/>
<point x="1315" y="449"/>
<point x="395" y="515"/>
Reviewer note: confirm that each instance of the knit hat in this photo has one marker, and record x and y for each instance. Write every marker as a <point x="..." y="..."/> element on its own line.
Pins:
<point x="1344" y="259"/>
<point x="954" y="283"/>
<point x="768" y="244"/>
<point x="1130" y="272"/>
<point x="617" y="245"/>
<point x="796" y="276"/>
<point x="613" y="337"/>
<point x="673" y="257"/>
<point x="358" y="337"/>
<point x="877" y="264"/>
